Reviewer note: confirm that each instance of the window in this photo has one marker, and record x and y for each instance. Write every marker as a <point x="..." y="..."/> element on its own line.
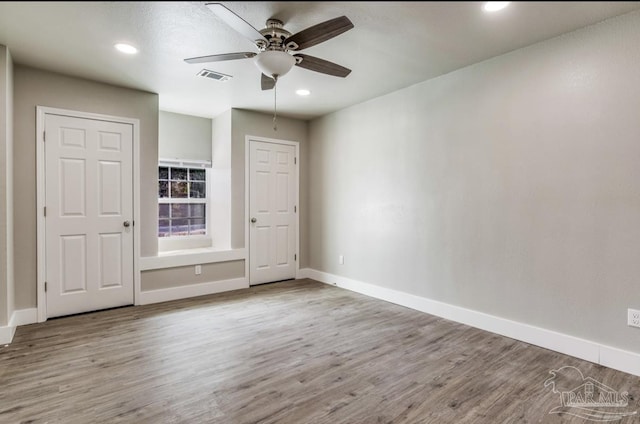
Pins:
<point x="182" y="197"/>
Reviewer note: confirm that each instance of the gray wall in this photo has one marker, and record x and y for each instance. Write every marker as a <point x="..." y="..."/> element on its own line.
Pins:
<point x="229" y="130"/>
<point x="6" y="187"/>
<point x="185" y="275"/>
<point x="259" y="124"/>
<point x="221" y="182"/>
<point x="183" y="136"/>
<point x="35" y="87"/>
<point x="510" y="187"/>
<point x="228" y="190"/>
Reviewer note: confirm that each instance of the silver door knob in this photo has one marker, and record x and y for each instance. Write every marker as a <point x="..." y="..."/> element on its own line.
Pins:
<point x="126" y="224"/>
<point x="253" y="220"/>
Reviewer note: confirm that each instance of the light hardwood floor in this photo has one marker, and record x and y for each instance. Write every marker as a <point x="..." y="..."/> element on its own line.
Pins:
<point x="293" y="352"/>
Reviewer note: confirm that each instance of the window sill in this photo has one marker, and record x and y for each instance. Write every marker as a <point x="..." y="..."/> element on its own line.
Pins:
<point x="187" y="257"/>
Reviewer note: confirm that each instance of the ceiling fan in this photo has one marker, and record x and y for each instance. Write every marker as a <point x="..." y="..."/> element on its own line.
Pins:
<point x="276" y="45"/>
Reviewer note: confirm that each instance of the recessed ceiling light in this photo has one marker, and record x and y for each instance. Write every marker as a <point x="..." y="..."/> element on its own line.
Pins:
<point x="126" y="48"/>
<point x="303" y="92"/>
<point x="494" y="6"/>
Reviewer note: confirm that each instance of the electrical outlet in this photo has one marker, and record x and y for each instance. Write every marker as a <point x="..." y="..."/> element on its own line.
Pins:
<point x="341" y="259"/>
<point x="198" y="269"/>
<point x="633" y="318"/>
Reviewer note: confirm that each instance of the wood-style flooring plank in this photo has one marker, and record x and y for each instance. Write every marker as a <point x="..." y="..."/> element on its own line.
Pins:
<point x="293" y="352"/>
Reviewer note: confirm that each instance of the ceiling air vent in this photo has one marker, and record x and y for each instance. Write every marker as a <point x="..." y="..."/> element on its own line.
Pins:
<point x="214" y="75"/>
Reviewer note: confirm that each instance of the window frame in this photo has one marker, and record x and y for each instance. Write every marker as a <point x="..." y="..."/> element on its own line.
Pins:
<point x="189" y="241"/>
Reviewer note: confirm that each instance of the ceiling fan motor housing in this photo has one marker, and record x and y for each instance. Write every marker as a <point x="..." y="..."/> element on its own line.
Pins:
<point x="275" y="35"/>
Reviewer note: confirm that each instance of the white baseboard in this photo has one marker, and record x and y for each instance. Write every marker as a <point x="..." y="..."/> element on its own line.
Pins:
<point x="192" y="290"/>
<point x="6" y="334"/>
<point x="621" y="360"/>
<point x="19" y="317"/>
<point x="608" y="356"/>
<point x="24" y="317"/>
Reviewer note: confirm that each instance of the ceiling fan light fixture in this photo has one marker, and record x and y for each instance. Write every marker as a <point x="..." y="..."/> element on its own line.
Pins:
<point x="274" y="63"/>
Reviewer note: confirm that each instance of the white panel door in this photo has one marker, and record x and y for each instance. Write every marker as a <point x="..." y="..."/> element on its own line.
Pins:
<point x="89" y="212"/>
<point x="272" y="212"/>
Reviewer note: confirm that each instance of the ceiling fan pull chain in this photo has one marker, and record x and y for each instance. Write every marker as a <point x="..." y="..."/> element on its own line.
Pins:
<point x="275" y="103"/>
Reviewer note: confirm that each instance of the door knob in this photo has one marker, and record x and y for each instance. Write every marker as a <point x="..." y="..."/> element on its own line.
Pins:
<point x="253" y="220"/>
<point x="126" y="224"/>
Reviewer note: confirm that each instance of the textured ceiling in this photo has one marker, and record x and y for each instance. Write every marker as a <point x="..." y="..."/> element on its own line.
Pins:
<point x="393" y="45"/>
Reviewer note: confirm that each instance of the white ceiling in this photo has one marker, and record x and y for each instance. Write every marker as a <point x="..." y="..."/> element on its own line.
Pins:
<point x="393" y="45"/>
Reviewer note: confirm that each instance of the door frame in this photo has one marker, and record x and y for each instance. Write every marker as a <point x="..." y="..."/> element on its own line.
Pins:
<point x="247" y="174"/>
<point x="41" y="112"/>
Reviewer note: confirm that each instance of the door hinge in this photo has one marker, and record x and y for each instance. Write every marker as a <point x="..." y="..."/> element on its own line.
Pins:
<point x="295" y="161"/>
<point x="45" y="211"/>
<point x="295" y="209"/>
<point x="295" y="257"/>
<point x="45" y="286"/>
<point x="44" y="136"/>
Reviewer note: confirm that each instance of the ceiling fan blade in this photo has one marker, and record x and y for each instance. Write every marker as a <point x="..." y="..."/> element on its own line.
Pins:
<point x="267" y="83"/>
<point x="320" y="65"/>
<point x="318" y="33"/>
<point x="235" y="22"/>
<point x="220" y="57"/>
